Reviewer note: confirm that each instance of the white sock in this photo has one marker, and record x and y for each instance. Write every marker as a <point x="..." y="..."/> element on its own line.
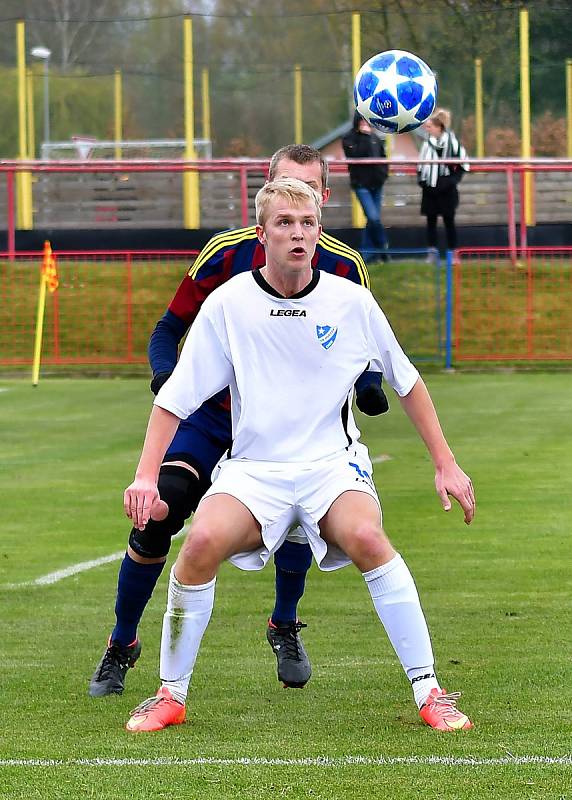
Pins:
<point x="188" y="613"/>
<point x="397" y="604"/>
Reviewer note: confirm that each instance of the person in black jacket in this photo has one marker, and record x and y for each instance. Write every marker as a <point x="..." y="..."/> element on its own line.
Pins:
<point x="367" y="182"/>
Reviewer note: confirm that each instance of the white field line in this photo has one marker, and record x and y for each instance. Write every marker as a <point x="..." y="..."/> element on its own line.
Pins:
<point x="67" y="572"/>
<point x="344" y="761"/>
<point x="74" y="569"/>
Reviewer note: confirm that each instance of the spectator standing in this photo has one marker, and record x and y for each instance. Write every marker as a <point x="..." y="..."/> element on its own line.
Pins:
<point x="439" y="180"/>
<point x="367" y="182"/>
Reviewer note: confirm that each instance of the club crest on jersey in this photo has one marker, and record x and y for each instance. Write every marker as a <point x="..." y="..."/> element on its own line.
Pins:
<point x="326" y="335"/>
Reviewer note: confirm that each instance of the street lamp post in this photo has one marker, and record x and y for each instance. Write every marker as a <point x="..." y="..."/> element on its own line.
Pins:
<point x="44" y="54"/>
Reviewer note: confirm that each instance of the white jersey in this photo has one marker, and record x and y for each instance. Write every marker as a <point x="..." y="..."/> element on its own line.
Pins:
<point x="291" y="364"/>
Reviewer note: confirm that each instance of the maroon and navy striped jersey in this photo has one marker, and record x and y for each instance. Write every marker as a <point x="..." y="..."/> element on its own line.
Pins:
<point x="226" y="254"/>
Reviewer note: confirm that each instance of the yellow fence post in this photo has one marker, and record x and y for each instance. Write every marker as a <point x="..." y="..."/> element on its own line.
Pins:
<point x="31" y="136"/>
<point x="118" y="112"/>
<point x="24" y="179"/>
<point x="298" y="137"/>
<point x="525" y="116"/>
<point x="191" y="198"/>
<point x="479" y="128"/>
<point x="569" y="107"/>
<point x="358" y="217"/>
<point x="206" y="103"/>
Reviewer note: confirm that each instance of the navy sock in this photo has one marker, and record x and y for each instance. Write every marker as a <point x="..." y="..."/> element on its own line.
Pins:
<point x="292" y="562"/>
<point x="135" y="586"/>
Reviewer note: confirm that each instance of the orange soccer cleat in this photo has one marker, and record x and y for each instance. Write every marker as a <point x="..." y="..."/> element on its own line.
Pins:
<point x="156" y="713"/>
<point x="440" y="712"/>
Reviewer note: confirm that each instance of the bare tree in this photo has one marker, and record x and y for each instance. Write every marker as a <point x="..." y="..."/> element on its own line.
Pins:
<point x="72" y="29"/>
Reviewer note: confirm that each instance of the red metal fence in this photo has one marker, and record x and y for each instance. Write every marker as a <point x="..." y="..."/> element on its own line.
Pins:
<point x="501" y="308"/>
<point x="103" y="311"/>
<point x="509" y="307"/>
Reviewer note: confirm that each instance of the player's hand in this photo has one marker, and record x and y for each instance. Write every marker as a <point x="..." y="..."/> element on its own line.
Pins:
<point x="451" y="481"/>
<point x="141" y="502"/>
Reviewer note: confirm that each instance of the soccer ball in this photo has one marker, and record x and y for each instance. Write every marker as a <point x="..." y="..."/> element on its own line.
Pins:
<point x="395" y="91"/>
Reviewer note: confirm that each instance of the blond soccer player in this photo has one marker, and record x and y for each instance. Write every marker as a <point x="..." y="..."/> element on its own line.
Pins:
<point x="290" y="342"/>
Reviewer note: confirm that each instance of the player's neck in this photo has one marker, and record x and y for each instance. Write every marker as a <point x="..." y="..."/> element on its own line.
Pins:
<point x="286" y="282"/>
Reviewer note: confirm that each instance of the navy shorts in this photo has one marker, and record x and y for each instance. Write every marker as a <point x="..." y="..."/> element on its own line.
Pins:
<point x="195" y="445"/>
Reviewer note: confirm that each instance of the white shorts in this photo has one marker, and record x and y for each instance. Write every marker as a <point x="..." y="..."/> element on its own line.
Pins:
<point x="284" y="496"/>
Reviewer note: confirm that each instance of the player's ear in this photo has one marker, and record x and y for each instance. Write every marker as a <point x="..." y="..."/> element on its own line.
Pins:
<point x="325" y="195"/>
<point x="261" y="235"/>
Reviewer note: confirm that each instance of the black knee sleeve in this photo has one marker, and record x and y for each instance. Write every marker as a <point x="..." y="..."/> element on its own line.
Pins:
<point x="181" y="490"/>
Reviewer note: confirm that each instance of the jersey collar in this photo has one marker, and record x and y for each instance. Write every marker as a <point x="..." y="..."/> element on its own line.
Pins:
<point x="260" y="280"/>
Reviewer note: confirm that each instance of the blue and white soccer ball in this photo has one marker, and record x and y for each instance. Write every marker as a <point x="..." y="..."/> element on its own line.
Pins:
<point x="395" y="91"/>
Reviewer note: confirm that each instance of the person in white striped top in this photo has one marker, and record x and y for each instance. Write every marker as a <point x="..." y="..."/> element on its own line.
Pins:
<point x="439" y="180"/>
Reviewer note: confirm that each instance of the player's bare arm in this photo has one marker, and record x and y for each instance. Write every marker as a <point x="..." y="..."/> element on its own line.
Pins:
<point x="141" y="498"/>
<point x="450" y="480"/>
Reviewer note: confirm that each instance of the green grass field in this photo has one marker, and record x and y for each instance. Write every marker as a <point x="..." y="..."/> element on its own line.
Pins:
<point x="496" y="594"/>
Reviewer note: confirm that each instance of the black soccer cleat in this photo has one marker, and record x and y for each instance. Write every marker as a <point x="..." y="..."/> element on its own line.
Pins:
<point x="109" y="675"/>
<point x="294" y="668"/>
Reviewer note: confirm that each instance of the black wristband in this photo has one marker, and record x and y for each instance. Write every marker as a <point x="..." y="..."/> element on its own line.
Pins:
<point x="372" y="401"/>
<point x="158" y="380"/>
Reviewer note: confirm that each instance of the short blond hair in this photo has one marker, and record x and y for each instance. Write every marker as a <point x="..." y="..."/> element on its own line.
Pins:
<point x="295" y="192"/>
<point x="441" y="117"/>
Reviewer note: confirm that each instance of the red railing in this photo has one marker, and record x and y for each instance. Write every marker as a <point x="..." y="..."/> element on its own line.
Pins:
<point x="510" y="167"/>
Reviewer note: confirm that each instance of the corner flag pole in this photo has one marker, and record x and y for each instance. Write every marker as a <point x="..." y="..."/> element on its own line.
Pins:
<point x="48" y="280"/>
<point x="39" y="330"/>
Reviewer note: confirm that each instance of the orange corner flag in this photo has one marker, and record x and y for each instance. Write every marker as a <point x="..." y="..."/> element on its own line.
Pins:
<point x="49" y="268"/>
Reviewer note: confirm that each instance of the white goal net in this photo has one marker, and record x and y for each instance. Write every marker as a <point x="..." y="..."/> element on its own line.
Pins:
<point x="85" y="148"/>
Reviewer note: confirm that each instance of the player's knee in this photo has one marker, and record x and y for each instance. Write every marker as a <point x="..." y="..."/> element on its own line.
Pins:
<point x="203" y="548"/>
<point x="367" y="542"/>
<point x="152" y="542"/>
<point x="181" y="489"/>
<point x="293" y="557"/>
